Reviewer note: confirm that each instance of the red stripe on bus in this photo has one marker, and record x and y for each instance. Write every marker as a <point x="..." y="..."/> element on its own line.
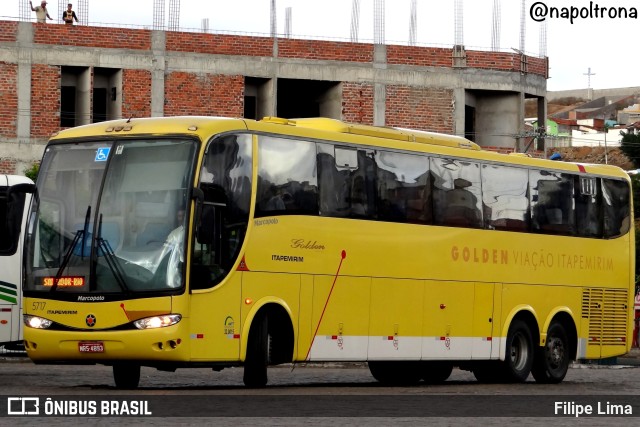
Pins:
<point x="581" y="168"/>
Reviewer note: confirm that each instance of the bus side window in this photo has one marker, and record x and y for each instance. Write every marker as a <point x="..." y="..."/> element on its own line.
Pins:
<point x="222" y="215"/>
<point x="589" y="218"/>
<point x="456" y="193"/>
<point x="552" y="202"/>
<point x="505" y="198"/>
<point x="11" y="206"/>
<point x="616" y="207"/>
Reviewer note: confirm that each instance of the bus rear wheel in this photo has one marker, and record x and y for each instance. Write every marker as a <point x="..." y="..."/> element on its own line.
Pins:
<point x="258" y="354"/>
<point x="552" y="361"/>
<point x="519" y="355"/>
<point x="126" y="376"/>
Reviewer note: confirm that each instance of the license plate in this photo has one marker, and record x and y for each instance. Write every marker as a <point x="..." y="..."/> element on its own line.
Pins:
<point x="91" y="347"/>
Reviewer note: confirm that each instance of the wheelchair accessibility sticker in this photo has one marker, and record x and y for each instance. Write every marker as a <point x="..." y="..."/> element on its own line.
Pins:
<point x="102" y="154"/>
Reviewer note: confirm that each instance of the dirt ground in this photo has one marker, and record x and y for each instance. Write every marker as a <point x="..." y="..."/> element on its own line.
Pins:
<point x="594" y="155"/>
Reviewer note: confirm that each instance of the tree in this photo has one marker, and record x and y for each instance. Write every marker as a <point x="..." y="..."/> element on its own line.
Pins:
<point x="630" y="146"/>
<point x="32" y="172"/>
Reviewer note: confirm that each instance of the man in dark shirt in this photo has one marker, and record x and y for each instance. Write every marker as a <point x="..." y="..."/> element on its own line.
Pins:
<point x="69" y="15"/>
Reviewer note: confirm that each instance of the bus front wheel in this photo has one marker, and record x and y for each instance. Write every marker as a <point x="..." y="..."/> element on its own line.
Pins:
<point x="126" y="376"/>
<point x="552" y="361"/>
<point x="258" y="354"/>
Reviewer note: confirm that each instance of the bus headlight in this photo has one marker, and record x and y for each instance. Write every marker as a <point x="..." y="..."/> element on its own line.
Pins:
<point x="157" y="321"/>
<point x="36" y="322"/>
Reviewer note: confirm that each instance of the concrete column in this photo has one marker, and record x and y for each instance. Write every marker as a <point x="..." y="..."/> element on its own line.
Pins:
<point x="83" y="98"/>
<point x="25" y="42"/>
<point x="459" y="102"/>
<point x="158" y="70"/>
<point x="379" y="89"/>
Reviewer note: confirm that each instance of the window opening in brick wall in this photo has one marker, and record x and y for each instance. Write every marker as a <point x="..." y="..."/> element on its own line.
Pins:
<point x="74" y="96"/>
<point x="258" y="98"/>
<point x="309" y="98"/>
<point x="107" y="94"/>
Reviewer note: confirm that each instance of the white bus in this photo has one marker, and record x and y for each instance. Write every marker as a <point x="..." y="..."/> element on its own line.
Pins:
<point x="13" y="204"/>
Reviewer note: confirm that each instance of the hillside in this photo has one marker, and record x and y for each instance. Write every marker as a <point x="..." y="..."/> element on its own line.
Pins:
<point x="594" y="155"/>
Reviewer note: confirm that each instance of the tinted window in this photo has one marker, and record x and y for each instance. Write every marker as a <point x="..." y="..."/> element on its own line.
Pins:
<point x="456" y="193"/>
<point x="588" y="206"/>
<point x="505" y="198"/>
<point x="10" y="220"/>
<point x="404" y="193"/>
<point x="226" y="183"/>
<point x="552" y="202"/>
<point x="616" y="207"/>
<point x="287" y="177"/>
<point x="347" y="182"/>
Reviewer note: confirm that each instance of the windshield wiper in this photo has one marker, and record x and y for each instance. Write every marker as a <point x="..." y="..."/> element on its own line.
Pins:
<point x="67" y="255"/>
<point x="112" y="259"/>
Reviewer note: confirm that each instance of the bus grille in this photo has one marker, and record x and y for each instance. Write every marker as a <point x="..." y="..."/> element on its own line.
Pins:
<point x="607" y="311"/>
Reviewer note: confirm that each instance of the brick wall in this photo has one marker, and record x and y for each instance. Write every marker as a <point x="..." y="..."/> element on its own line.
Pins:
<point x="325" y="50"/>
<point x="80" y="35"/>
<point x="8" y="31"/>
<point x="8" y="166"/>
<point x="419" y="56"/>
<point x="45" y="100"/>
<point x="420" y="108"/>
<point x="9" y="97"/>
<point x="203" y="94"/>
<point x="218" y="44"/>
<point x="136" y="93"/>
<point x="357" y="103"/>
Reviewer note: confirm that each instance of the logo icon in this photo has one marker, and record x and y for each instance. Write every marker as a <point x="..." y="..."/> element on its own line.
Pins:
<point x="90" y="320"/>
<point x="23" y="406"/>
<point x="102" y="154"/>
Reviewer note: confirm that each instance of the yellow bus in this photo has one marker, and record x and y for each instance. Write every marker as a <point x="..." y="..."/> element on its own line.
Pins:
<point x="216" y="242"/>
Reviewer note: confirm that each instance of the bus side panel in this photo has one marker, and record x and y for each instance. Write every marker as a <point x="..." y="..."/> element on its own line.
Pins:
<point x="215" y="322"/>
<point x="305" y="329"/>
<point x="260" y="288"/>
<point x="396" y="321"/>
<point x="343" y="318"/>
<point x="496" y="320"/>
<point x="483" y="321"/>
<point x="448" y="318"/>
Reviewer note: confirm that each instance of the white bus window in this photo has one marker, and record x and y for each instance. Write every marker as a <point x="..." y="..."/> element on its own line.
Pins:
<point x="287" y="177"/>
<point x="505" y="198"/>
<point x="456" y="193"/>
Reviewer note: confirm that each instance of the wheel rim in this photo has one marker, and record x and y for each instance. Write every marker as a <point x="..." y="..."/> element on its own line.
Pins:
<point x="519" y="352"/>
<point x="555" y="352"/>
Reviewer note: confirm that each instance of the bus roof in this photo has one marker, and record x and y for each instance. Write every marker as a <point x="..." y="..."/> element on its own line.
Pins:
<point x="330" y="129"/>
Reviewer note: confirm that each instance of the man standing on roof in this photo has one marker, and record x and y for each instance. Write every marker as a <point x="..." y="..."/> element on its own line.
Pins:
<point x="69" y="15"/>
<point x="41" y="12"/>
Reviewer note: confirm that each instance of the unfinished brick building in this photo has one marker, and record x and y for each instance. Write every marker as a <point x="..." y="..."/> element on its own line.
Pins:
<point x="57" y="76"/>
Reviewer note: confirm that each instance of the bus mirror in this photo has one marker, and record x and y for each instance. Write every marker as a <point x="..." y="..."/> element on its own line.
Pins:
<point x="22" y="189"/>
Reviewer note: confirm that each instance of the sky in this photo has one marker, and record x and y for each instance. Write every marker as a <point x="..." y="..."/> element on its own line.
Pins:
<point x="595" y="41"/>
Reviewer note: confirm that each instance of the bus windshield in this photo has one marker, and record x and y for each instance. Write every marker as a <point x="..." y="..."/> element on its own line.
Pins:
<point x="110" y="217"/>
